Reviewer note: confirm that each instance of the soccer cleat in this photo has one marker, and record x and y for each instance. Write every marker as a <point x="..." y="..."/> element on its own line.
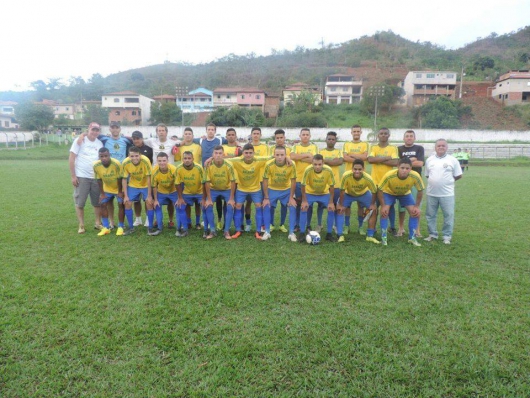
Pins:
<point x="177" y="234"/>
<point x="362" y="231"/>
<point x="137" y="222"/>
<point x="341" y="239"/>
<point x="447" y="241"/>
<point x="272" y="228"/>
<point x="198" y="227"/>
<point x="247" y="228"/>
<point x="414" y="242"/>
<point x="81" y="229"/>
<point x="373" y="240"/>
<point x="130" y="231"/>
<point x="98" y="227"/>
<point x="211" y="235"/>
<point x="171" y="225"/>
<point x="119" y="231"/>
<point x="346" y="230"/>
<point x="266" y="236"/>
<point x="154" y="232"/>
<point x="183" y="234"/>
<point x="236" y="235"/>
<point x="292" y="237"/>
<point x="227" y="236"/>
<point x="220" y="225"/>
<point x="430" y="238"/>
<point x="384" y="241"/>
<point x="283" y="229"/>
<point x="104" y="231"/>
<point x="393" y="231"/>
<point x="330" y="237"/>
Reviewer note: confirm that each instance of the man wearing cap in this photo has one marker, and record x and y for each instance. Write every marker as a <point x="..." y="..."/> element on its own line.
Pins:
<point x="81" y="161"/>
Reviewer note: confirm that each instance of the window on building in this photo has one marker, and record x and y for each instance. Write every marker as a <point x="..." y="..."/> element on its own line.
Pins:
<point x="450" y="75"/>
<point x="6" y="123"/>
<point x="117" y="113"/>
<point x="132" y="100"/>
<point x="67" y="108"/>
<point x="418" y="75"/>
<point x="203" y="99"/>
<point x="116" y="100"/>
<point x="139" y="113"/>
<point x="184" y="99"/>
<point x="430" y="75"/>
<point x="218" y="97"/>
<point x="258" y="96"/>
<point x="227" y="97"/>
<point x="242" y="97"/>
<point x="133" y="113"/>
<point x="333" y="89"/>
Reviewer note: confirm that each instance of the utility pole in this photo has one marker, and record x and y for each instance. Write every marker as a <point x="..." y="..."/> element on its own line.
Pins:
<point x="461" y="82"/>
<point x="376" y="91"/>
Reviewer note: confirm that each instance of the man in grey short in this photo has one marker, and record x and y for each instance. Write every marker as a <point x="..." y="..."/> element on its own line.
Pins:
<point x="441" y="170"/>
<point x="81" y="161"/>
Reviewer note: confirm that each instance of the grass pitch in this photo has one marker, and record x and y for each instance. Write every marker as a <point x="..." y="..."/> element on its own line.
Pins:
<point x="157" y="316"/>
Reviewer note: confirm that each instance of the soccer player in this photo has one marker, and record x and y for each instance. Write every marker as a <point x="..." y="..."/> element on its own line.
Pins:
<point x="465" y="162"/>
<point x="279" y="184"/>
<point x="441" y="170"/>
<point x="220" y="181"/>
<point x="164" y="189"/>
<point x="187" y="144"/>
<point x="317" y="187"/>
<point x="357" y="186"/>
<point x="108" y="174"/>
<point x="332" y="158"/>
<point x="383" y="157"/>
<point x="189" y="180"/>
<point x="147" y="151"/>
<point x="249" y="171"/>
<point x="416" y="154"/>
<point x="208" y="144"/>
<point x="81" y="161"/>
<point x="231" y="149"/>
<point x="459" y="155"/>
<point x="279" y="140"/>
<point x="136" y="183"/>
<point x="352" y="150"/>
<point x="396" y="185"/>
<point x="302" y="155"/>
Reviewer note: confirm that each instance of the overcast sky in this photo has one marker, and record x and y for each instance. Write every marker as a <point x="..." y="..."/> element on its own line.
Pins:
<point x="59" y="38"/>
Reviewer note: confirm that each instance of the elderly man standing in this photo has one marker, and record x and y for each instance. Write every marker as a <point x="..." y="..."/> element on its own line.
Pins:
<point x="81" y="161"/>
<point x="441" y="170"/>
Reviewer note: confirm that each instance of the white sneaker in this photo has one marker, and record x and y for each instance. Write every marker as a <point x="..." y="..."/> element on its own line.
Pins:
<point x="430" y="238"/>
<point x="292" y="238"/>
<point x="447" y="241"/>
<point x="146" y="224"/>
<point x="247" y="228"/>
<point x="137" y="222"/>
<point x="266" y="236"/>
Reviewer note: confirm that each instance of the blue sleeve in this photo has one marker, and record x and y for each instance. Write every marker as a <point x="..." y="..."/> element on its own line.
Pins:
<point x="103" y="138"/>
<point x="197" y="140"/>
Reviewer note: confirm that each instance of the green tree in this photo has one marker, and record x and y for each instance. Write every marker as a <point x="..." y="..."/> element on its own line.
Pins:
<point x="237" y="116"/>
<point x="95" y="113"/>
<point x="167" y="112"/>
<point x="34" y="116"/>
<point x="387" y="97"/>
<point x="442" y="113"/>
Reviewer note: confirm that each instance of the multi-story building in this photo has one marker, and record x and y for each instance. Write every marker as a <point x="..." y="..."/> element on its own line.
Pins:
<point x="513" y="88"/>
<point x="422" y="86"/>
<point x="296" y="89"/>
<point x="7" y="115"/>
<point x="199" y="100"/>
<point x="128" y="107"/>
<point x="246" y="97"/>
<point x="164" y="98"/>
<point x="342" y="89"/>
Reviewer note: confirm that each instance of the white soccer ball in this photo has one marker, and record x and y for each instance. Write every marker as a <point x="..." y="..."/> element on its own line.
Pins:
<point x="313" y="238"/>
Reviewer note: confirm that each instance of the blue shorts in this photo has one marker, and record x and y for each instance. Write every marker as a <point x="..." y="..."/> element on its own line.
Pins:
<point x="298" y="191"/>
<point x="256" y="196"/>
<point x="414" y="192"/>
<point x="404" y="200"/>
<point x="336" y="195"/>
<point x="166" y="198"/>
<point x="365" y="199"/>
<point x="191" y="199"/>
<point x="137" y="194"/>
<point x="224" y="194"/>
<point x="110" y="196"/>
<point x="282" y="196"/>
<point x="320" y="199"/>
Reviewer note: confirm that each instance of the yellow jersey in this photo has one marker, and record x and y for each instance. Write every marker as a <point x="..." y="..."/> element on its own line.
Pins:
<point x="330" y="155"/>
<point x="192" y="179"/>
<point x="394" y="185"/>
<point x="220" y="177"/>
<point x="193" y="148"/>
<point x="137" y="174"/>
<point x="301" y="166"/>
<point x="354" y="187"/>
<point x="164" y="182"/>
<point x="230" y="151"/>
<point x="379" y="169"/>
<point x="318" y="183"/>
<point x="287" y="150"/>
<point x="279" y="177"/>
<point x="355" y="148"/>
<point x="108" y="175"/>
<point x="261" y="149"/>
<point x="249" y="174"/>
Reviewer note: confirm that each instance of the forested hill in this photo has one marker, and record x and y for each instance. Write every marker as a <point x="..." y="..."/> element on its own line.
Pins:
<point x="384" y="56"/>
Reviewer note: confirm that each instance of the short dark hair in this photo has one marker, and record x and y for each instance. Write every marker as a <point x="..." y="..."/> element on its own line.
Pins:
<point x="279" y="131"/>
<point x="318" y="156"/>
<point x="280" y="147"/>
<point x="358" y="161"/>
<point x="405" y="160"/>
<point x="211" y="125"/>
<point x="332" y="133"/>
<point x="218" y="148"/>
<point x="356" y="126"/>
<point x="188" y="153"/>
<point x="248" y="147"/>
<point x="134" y="149"/>
<point x="255" y="128"/>
<point x="230" y="129"/>
<point x="162" y="155"/>
<point x="103" y="150"/>
<point x="188" y="129"/>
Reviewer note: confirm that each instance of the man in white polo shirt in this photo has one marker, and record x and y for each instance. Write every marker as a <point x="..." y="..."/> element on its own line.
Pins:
<point x="441" y="170"/>
<point x="81" y="161"/>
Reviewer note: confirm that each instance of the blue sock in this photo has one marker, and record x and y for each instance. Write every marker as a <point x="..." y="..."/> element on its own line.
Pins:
<point x="209" y="218"/>
<point x="292" y="219"/>
<point x="283" y="214"/>
<point x="159" y="217"/>
<point x="331" y="220"/>
<point x="320" y="212"/>
<point x="197" y="219"/>
<point x="347" y="220"/>
<point x="270" y="217"/>
<point x="413" y="226"/>
<point x="339" y="219"/>
<point x="105" y="222"/>
<point x="267" y="212"/>
<point x="303" y="221"/>
<point x="150" y="218"/>
<point x="360" y="220"/>
<point x="259" y="218"/>
<point x="384" y="226"/>
<point x="181" y="211"/>
<point x="129" y="216"/>
<point x="228" y="217"/>
<point x="392" y="217"/>
<point x="238" y="218"/>
<point x="370" y="232"/>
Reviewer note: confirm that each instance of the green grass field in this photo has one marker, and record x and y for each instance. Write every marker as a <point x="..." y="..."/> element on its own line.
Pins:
<point x="147" y="316"/>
